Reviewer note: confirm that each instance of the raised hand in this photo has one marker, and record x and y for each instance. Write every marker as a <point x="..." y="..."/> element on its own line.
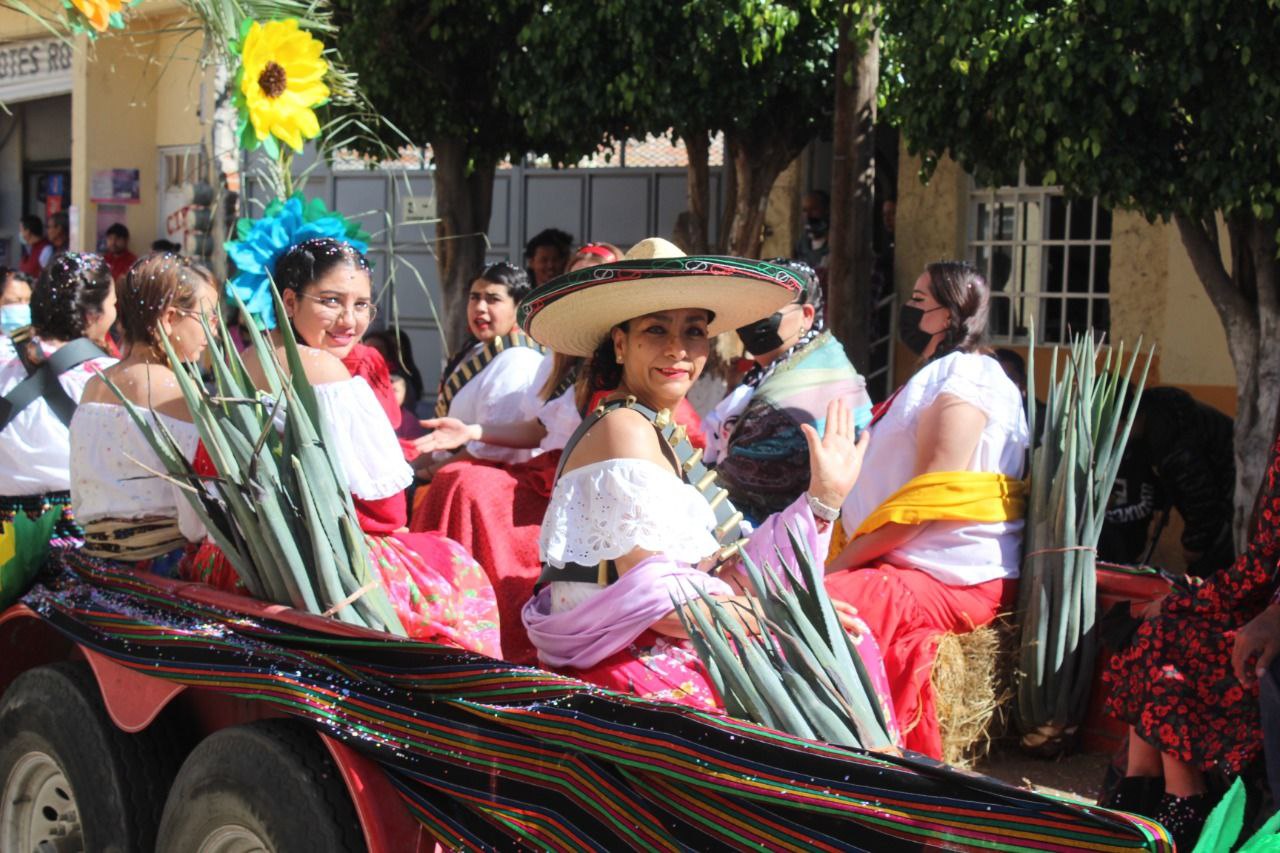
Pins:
<point x="447" y="434"/>
<point x="834" y="459"/>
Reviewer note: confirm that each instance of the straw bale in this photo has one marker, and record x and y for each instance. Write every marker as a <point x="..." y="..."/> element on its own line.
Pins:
<point x="971" y="677"/>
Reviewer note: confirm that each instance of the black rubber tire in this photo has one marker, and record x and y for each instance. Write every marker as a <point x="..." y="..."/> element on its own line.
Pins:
<point x="119" y="780"/>
<point x="274" y="778"/>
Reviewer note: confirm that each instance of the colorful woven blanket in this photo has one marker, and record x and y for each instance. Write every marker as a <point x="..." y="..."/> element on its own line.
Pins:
<point x="487" y="754"/>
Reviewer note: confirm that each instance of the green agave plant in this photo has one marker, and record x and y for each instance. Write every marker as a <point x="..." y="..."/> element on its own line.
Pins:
<point x="1089" y="414"/>
<point x="1226" y="822"/>
<point x="279" y="508"/>
<point x="786" y="662"/>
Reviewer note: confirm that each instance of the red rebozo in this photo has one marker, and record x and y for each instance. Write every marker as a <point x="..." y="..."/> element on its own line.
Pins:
<point x="495" y="512"/>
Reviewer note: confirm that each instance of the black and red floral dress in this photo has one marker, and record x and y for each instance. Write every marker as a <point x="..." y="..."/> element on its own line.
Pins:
<point x="1175" y="684"/>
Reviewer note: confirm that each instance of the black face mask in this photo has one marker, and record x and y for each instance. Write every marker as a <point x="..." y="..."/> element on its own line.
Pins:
<point x="909" y="331"/>
<point x="762" y="336"/>
<point x="816" y="226"/>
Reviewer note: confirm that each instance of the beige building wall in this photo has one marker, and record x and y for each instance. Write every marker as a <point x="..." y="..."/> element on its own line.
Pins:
<point x="1155" y="294"/>
<point x="133" y="91"/>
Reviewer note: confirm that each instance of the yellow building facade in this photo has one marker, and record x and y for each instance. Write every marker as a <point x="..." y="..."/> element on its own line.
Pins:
<point x="110" y="129"/>
<point x="1141" y="276"/>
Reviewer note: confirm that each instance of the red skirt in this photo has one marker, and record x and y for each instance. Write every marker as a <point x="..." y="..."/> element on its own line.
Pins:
<point x="908" y="611"/>
<point x="495" y="513"/>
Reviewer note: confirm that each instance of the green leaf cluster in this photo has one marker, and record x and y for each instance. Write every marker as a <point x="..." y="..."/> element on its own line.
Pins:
<point x="279" y="508"/>
<point x="1163" y="106"/>
<point x="788" y="663"/>
<point x="563" y="78"/>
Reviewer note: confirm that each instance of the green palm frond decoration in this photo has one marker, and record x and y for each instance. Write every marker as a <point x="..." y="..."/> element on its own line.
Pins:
<point x="785" y="661"/>
<point x="1089" y="414"/>
<point x="279" y="508"/>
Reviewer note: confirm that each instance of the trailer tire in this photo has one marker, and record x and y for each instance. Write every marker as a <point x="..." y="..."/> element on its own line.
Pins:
<point x="269" y="784"/>
<point x="65" y="768"/>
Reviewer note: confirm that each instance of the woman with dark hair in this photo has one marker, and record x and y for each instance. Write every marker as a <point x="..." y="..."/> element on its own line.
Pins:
<point x="72" y="305"/>
<point x="396" y="350"/>
<point x="437" y="589"/>
<point x="636" y="529"/>
<point x="489" y="377"/>
<point x="936" y="518"/>
<point x="128" y="514"/>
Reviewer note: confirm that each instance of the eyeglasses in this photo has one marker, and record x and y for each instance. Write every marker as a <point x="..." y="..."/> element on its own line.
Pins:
<point x="331" y="307"/>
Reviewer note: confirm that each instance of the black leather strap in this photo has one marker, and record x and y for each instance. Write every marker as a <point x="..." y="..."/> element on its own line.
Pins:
<point x="42" y="382"/>
<point x="676" y="445"/>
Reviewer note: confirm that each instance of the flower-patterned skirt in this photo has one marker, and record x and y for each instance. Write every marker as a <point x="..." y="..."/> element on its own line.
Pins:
<point x="437" y="589"/>
<point x="1175" y="684"/>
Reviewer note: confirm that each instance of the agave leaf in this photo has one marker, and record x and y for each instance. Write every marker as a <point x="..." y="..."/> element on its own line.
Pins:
<point x="734" y="672"/>
<point x="331" y="591"/>
<point x="1265" y="839"/>
<point x="1225" y="822"/>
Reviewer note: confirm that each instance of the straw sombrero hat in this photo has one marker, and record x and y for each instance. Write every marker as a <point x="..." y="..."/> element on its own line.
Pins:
<point x="573" y="313"/>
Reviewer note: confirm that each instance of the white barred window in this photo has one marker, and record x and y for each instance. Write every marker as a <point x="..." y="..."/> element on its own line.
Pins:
<point x="1045" y="256"/>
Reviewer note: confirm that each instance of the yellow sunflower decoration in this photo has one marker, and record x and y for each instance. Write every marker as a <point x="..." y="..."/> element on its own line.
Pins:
<point x="99" y="14"/>
<point x="280" y="83"/>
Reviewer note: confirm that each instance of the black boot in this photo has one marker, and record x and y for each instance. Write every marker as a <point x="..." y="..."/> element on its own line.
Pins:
<point x="1136" y="794"/>
<point x="1184" y="817"/>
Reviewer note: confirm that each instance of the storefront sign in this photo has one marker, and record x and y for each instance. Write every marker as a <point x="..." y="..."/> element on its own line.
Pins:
<point x="34" y="69"/>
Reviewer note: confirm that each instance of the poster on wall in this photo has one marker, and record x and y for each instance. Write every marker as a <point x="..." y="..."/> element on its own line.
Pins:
<point x="108" y="215"/>
<point x="116" y="186"/>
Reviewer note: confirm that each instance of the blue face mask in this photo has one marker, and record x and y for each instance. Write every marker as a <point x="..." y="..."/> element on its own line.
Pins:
<point x="14" y="317"/>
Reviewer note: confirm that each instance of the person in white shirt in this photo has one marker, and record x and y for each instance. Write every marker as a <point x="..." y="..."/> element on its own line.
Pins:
<point x="489" y="378"/>
<point x="130" y="514"/>
<point x="73" y="304"/>
<point x="936" y="517"/>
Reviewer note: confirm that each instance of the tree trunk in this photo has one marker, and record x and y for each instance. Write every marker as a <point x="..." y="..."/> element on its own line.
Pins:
<point x="756" y="166"/>
<point x="698" y="144"/>
<point x="850" y="262"/>
<point x="464" y="200"/>
<point x="1248" y="305"/>
<point x="730" y="200"/>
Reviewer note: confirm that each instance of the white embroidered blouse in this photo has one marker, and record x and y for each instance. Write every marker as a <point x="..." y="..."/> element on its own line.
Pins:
<point x="108" y="477"/>
<point x="608" y="509"/>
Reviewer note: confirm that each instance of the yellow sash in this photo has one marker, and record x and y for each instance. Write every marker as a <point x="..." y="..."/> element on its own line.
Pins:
<point x="951" y="496"/>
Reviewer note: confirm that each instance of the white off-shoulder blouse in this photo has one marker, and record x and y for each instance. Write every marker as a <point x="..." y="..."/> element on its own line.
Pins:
<point x="109" y="461"/>
<point x="608" y="509"/>
<point x="363" y="441"/>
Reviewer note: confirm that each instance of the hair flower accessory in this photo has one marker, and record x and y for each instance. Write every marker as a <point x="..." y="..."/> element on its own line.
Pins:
<point x="98" y="15"/>
<point x="260" y="242"/>
<point x="279" y="85"/>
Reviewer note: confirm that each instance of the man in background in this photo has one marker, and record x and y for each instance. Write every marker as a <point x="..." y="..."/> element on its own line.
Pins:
<point x="117" y="254"/>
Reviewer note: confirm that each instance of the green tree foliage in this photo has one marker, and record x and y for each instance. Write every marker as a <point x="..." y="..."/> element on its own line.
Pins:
<point x="1167" y="107"/>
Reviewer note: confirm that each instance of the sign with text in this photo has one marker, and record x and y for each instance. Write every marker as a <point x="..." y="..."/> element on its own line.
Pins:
<point x="34" y="69"/>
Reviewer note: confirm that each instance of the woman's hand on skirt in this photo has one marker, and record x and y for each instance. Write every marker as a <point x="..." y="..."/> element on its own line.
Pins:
<point x="849" y="619"/>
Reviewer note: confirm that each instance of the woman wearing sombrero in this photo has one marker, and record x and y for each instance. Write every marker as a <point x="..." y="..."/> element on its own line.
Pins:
<point x="635" y="525"/>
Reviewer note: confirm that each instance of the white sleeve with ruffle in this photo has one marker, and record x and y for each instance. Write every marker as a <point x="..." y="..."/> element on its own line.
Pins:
<point x="363" y="441"/>
<point x="608" y="509"/>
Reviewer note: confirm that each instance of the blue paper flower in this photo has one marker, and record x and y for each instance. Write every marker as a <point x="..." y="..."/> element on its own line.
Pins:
<point x="261" y="242"/>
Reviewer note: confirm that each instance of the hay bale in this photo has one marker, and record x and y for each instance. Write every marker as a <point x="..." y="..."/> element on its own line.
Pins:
<point x="972" y="684"/>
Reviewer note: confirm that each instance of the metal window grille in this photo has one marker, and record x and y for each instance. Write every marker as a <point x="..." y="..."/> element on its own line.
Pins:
<point x="1045" y="256"/>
